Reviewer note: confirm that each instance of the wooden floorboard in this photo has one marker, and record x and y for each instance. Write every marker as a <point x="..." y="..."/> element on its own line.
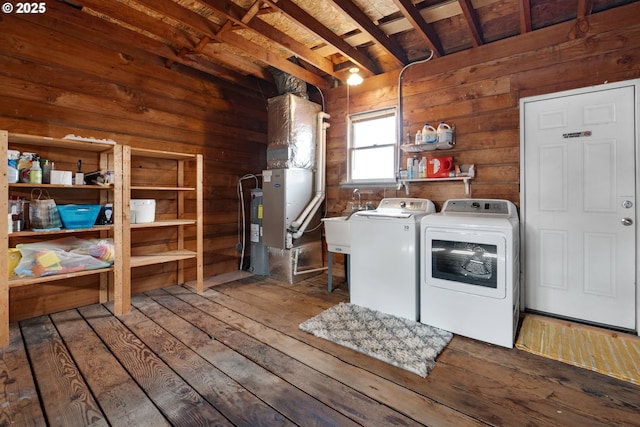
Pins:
<point x="235" y="356"/>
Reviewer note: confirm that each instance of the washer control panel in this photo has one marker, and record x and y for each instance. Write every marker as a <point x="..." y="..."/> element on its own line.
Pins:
<point x="405" y="205"/>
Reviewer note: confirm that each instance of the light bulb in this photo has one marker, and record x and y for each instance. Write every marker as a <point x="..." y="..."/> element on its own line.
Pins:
<point x="354" y="78"/>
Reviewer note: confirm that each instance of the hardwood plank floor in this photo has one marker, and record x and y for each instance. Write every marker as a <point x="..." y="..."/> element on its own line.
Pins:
<point x="235" y="356"/>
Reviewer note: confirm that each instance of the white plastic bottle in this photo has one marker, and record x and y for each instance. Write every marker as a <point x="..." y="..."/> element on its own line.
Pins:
<point x="410" y="168"/>
<point x="429" y="136"/>
<point x="422" y="168"/>
<point x="35" y="174"/>
<point x="418" y="137"/>
<point x="444" y="136"/>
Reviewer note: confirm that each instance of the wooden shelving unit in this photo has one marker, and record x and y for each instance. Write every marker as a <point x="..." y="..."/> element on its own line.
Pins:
<point x="189" y="168"/>
<point x="117" y="158"/>
<point x="107" y="157"/>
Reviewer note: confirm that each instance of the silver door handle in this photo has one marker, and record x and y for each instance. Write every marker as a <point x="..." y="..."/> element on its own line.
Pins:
<point x="626" y="221"/>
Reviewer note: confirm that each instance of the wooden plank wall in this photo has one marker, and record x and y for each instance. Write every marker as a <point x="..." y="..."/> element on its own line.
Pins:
<point x="479" y="91"/>
<point x="59" y="77"/>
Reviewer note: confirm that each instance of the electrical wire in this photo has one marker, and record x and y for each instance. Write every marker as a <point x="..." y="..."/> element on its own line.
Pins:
<point x="400" y="128"/>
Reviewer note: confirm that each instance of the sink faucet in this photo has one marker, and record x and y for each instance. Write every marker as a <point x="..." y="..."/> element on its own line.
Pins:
<point x="356" y="191"/>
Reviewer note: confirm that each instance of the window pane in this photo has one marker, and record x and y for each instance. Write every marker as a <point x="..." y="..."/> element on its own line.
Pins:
<point x="374" y="131"/>
<point x="372" y="146"/>
<point x="373" y="163"/>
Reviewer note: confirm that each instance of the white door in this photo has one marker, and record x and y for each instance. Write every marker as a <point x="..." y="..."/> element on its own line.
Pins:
<point x="579" y="205"/>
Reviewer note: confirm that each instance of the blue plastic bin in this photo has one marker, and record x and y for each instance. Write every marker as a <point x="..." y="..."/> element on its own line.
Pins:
<point x="78" y="216"/>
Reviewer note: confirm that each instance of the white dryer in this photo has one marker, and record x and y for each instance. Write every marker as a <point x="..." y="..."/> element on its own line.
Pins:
<point x="385" y="263"/>
<point x="470" y="269"/>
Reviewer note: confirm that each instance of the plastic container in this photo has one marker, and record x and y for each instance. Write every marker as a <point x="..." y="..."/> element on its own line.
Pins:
<point x="35" y="174"/>
<point x="439" y="167"/>
<point x="429" y="137"/>
<point x="46" y="172"/>
<point x="422" y="168"/>
<point x="143" y="211"/>
<point x="445" y="136"/>
<point x="13" y="174"/>
<point x="78" y="216"/>
<point x="418" y="138"/>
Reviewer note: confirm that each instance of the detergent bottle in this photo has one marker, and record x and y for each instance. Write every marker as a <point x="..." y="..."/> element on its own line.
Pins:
<point x="444" y="136"/>
<point x="422" y="168"/>
<point x="429" y="137"/>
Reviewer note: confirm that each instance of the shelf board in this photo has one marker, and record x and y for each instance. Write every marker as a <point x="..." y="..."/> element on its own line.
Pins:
<point x="165" y="223"/>
<point x="161" y="154"/>
<point x="18" y="138"/>
<point x="160" y="258"/>
<point x="24" y="281"/>
<point x="151" y="188"/>
<point x="61" y="231"/>
<point x="66" y="187"/>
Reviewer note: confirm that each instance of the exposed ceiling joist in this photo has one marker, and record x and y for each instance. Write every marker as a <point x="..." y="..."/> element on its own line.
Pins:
<point x="244" y="19"/>
<point x="422" y="28"/>
<point x="474" y="22"/>
<point x="298" y="14"/>
<point x="525" y="16"/>
<point x="389" y="44"/>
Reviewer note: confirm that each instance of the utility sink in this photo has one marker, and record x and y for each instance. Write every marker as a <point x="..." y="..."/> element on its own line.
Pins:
<point x="337" y="232"/>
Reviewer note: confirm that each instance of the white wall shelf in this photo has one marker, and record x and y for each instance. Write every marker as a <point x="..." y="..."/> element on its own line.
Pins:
<point x="465" y="179"/>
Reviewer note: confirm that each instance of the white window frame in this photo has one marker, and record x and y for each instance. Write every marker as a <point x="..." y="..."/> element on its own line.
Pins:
<point x="351" y="150"/>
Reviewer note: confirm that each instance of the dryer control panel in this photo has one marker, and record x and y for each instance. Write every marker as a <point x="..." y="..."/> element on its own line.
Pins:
<point x="485" y="206"/>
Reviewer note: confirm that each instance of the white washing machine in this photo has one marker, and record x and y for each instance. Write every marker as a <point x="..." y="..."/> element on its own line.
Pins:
<point x="385" y="263"/>
<point x="470" y="269"/>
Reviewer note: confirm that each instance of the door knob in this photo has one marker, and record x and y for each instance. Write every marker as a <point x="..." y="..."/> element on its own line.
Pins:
<point x="626" y="221"/>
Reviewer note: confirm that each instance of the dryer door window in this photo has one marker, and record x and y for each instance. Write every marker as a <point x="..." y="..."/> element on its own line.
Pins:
<point x="466" y="262"/>
<point x="470" y="263"/>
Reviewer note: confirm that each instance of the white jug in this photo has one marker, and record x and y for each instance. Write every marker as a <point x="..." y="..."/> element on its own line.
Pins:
<point x="445" y="136"/>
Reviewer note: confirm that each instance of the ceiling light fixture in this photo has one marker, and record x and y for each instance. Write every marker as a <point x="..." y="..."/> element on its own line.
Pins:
<point x="354" y="78"/>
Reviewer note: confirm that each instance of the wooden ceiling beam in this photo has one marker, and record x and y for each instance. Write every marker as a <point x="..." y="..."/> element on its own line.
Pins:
<point x="525" y="16"/>
<point x="244" y="19"/>
<point x="276" y="61"/>
<point x="212" y="30"/>
<point x="422" y="28"/>
<point x="297" y="14"/>
<point x="366" y="25"/>
<point x="585" y="7"/>
<point x="473" y="21"/>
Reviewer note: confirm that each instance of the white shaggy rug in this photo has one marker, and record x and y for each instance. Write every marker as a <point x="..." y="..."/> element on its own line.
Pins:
<point x="401" y="342"/>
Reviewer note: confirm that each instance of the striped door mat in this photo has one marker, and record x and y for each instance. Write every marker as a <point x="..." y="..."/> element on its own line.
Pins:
<point x="607" y="352"/>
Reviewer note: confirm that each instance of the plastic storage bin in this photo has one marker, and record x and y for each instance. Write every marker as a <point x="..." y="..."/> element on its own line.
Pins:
<point x="78" y="216"/>
<point x="143" y="211"/>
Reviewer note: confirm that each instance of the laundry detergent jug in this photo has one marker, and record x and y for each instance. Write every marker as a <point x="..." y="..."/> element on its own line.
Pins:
<point x="439" y="167"/>
<point x="445" y="136"/>
<point x="429" y="137"/>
